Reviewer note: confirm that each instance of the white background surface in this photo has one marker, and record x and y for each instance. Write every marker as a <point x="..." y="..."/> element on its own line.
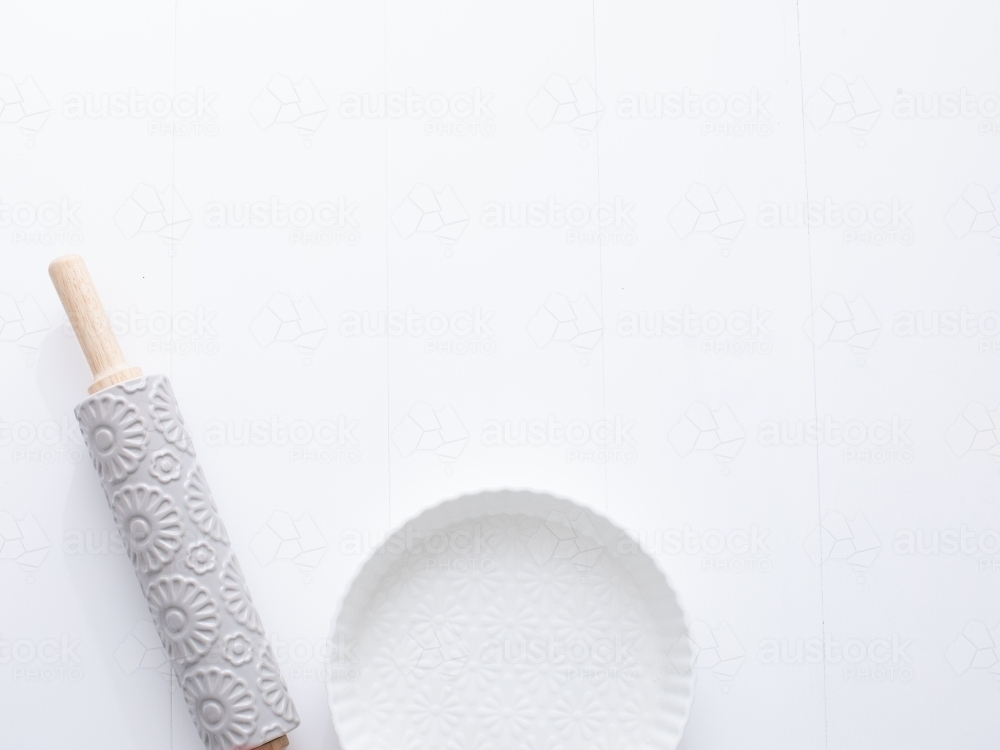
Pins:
<point x="927" y="478"/>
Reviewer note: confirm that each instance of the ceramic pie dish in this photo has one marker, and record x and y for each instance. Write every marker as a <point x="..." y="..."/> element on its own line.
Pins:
<point x="509" y="619"/>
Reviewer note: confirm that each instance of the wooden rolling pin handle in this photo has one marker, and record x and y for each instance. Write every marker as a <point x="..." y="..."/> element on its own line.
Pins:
<point x="90" y="323"/>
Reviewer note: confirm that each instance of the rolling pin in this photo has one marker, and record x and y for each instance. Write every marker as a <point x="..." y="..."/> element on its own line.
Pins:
<point x="178" y="545"/>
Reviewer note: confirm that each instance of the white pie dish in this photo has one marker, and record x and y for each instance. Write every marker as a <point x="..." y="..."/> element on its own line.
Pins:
<point x="509" y="619"/>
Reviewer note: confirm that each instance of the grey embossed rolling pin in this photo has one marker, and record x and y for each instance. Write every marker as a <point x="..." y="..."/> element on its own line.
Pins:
<point x="177" y="543"/>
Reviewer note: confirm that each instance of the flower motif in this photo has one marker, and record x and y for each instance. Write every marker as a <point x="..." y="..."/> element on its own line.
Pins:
<point x="389" y="673"/>
<point x="150" y="526"/>
<point x="581" y="618"/>
<point x="222" y="707"/>
<point x="511" y="619"/>
<point x="131" y="386"/>
<point x="185" y="616"/>
<point x="550" y="675"/>
<point x="477" y="581"/>
<point x="237" y="598"/>
<point x="614" y="586"/>
<point x="115" y="434"/>
<point x="513" y="713"/>
<point x="485" y="670"/>
<point x="166" y="466"/>
<point x="272" y="685"/>
<point x="555" y="577"/>
<point x="511" y="533"/>
<point x="238" y="649"/>
<point x="411" y="579"/>
<point x="384" y="620"/>
<point x="201" y="558"/>
<point x="430" y="713"/>
<point x="439" y="613"/>
<point x="577" y="715"/>
<point x="272" y="731"/>
<point x="200" y="502"/>
<point x="167" y="417"/>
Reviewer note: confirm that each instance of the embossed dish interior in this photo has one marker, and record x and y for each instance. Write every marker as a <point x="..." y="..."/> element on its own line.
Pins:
<point x="509" y="620"/>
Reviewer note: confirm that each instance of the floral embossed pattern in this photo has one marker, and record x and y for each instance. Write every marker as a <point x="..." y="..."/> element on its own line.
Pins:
<point x="185" y="616"/>
<point x="167" y="416"/>
<point x="201" y="557"/>
<point x="115" y="435"/>
<point x="272" y="685"/>
<point x="165" y="466"/>
<point x="238" y="650"/>
<point x="237" y="597"/>
<point x="179" y="548"/>
<point x="200" y="503"/>
<point x="224" y="711"/>
<point x="150" y="525"/>
<point x="510" y="619"/>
